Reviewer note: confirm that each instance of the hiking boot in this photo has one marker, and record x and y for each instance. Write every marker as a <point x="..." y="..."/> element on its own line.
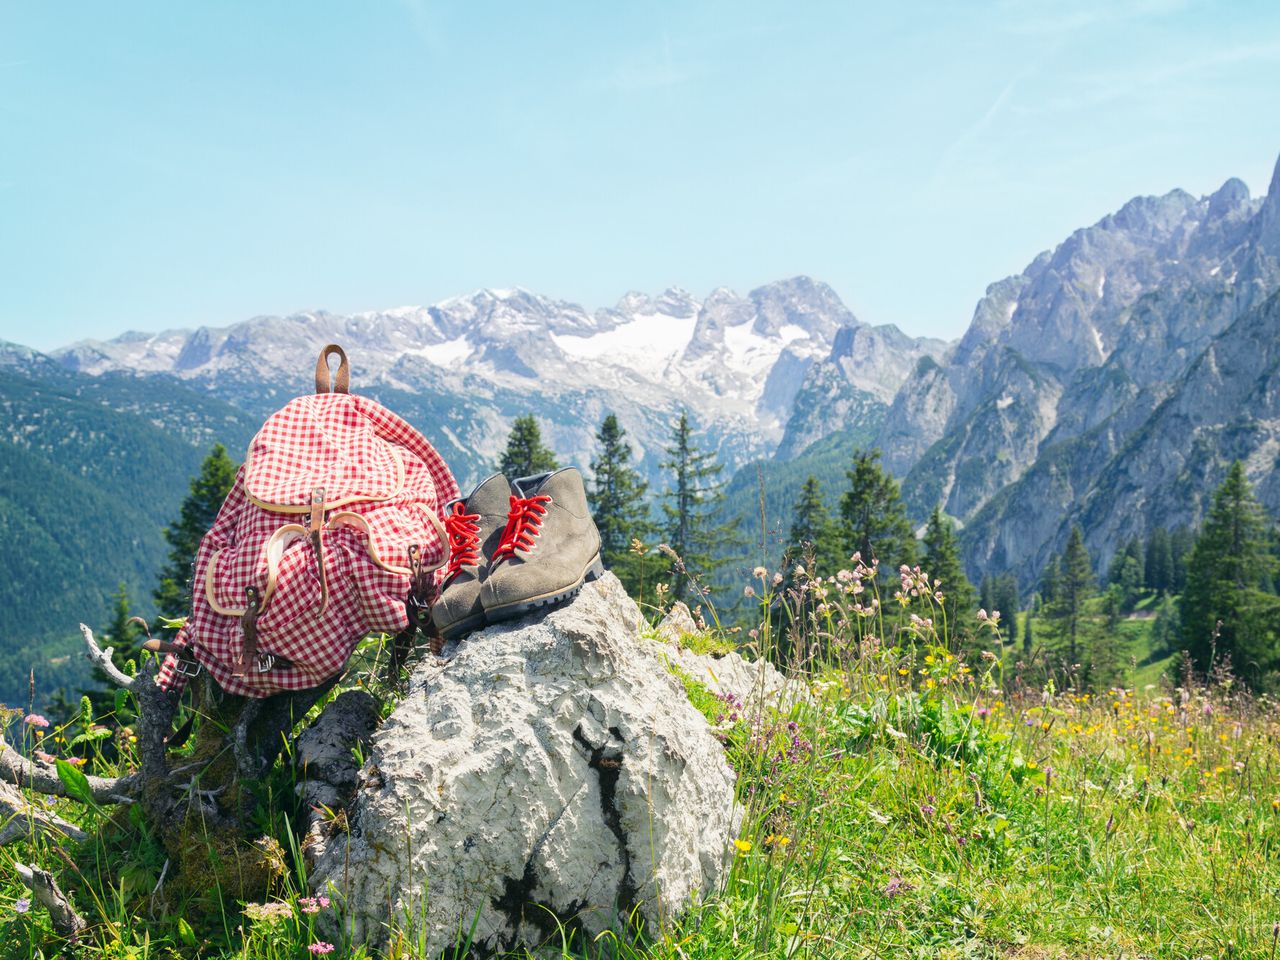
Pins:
<point x="474" y="527"/>
<point x="549" y="548"/>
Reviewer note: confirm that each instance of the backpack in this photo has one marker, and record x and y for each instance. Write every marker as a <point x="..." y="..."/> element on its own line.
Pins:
<point x="331" y="531"/>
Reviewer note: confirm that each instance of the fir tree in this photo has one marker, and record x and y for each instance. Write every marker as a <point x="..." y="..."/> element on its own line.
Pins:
<point x="1125" y="575"/>
<point x="525" y="455"/>
<point x="942" y="562"/>
<point x="1074" y="585"/>
<point x="1004" y="596"/>
<point x="208" y="489"/>
<point x="616" y="495"/>
<point x="1158" y="573"/>
<point x="1230" y="565"/>
<point x="1028" y="640"/>
<point x="1049" y="578"/>
<point x="873" y="520"/>
<point x="690" y="504"/>
<point x="813" y="532"/>
<point x="1181" y="541"/>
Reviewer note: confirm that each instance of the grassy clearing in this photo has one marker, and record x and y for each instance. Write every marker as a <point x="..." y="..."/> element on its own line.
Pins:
<point x="917" y="807"/>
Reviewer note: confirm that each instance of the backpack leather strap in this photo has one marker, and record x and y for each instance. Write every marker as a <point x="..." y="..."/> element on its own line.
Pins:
<point x="249" y="626"/>
<point x="342" y="380"/>
<point x="317" y="544"/>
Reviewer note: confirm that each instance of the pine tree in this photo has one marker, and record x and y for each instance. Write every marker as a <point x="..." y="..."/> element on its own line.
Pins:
<point x="690" y="504"/>
<point x="1005" y="596"/>
<point x="813" y="532"/>
<point x="942" y="562"/>
<point x="873" y="520"/>
<point x="208" y="489"/>
<point x="1074" y="585"/>
<point x="1125" y="575"/>
<point x="1049" y="578"/>
<point x="1229" y="566"/>
<point x="1159" y="561"/>
<point x="616" y="495"/>
<point x="1028" y="640"/>
<point x="1181" y="541"/>
<point x="525" y="454"/>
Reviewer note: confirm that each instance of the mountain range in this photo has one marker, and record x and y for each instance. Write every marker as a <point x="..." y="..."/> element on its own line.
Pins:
<point x="1109" y="384"/>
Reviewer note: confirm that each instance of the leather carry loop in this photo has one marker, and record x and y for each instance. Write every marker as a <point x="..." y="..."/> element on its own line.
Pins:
<point x="249" y="627"/>
<point x="317" y="544"/>
<point x="342" y="380"/>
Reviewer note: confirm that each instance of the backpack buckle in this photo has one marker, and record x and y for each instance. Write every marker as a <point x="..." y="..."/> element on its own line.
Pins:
<point x="187" y="668"/>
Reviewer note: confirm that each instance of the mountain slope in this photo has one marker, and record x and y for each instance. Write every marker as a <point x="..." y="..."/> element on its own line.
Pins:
<point x="1034" y="414"/>
<point x="473" y="363"/>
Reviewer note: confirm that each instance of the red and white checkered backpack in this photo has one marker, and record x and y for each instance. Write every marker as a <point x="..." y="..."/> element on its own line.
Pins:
<point x="331" y="531"/>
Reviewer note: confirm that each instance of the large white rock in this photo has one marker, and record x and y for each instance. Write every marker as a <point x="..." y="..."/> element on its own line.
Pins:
<point x="551" y="768"/>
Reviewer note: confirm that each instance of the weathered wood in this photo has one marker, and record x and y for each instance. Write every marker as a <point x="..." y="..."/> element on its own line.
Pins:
<point x="66" y="922"/>
<point x="20" y="818"/>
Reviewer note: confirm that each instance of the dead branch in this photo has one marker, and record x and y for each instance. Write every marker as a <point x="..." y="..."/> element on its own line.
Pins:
<point x="66" y="922"/>
<point x="22" y="819"/>
<point x="42" y="777"/>
<point x="156" y="707"/>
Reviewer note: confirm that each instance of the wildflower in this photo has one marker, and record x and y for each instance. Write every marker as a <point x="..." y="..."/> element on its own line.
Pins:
<point x="309" y="905"/>
<point x="777" y="579"/>
<point x="927" y="811"/>
<point x="22" y="905"/>
<point x="267" y="912"/>
<point x="35" y="720"/>
<point x="759" y="573"/>
<point x="748" y="591"/>
<point x="321" y="947"/>
<point x="896" y="886"/>
<point x="744" y="846"/>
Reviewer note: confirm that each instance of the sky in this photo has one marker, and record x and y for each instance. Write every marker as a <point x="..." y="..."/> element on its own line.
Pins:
<point x="173" y="165"/>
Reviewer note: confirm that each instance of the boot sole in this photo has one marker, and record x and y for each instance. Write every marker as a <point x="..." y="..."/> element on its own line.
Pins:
<point x="459" y="627"/>
<point x="510" y="611"/>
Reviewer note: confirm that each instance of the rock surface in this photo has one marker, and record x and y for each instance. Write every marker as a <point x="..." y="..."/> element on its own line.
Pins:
<point x="756" y="683"/>
<point x="550" y="769"/>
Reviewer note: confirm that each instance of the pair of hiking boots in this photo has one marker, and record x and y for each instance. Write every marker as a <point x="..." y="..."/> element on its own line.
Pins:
<point x="515" y="546"/>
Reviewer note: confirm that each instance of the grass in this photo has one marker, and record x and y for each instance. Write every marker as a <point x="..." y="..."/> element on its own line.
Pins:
<point x="918" y="806"/>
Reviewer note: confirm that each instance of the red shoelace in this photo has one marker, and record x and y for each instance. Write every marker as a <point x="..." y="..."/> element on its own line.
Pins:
<point x="463" y="531"/>
<point x="523" y="523"/>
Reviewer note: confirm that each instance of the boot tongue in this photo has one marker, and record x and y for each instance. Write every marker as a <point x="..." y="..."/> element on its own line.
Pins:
<point x="528" y="486"/>
<point x="492" y="497"/>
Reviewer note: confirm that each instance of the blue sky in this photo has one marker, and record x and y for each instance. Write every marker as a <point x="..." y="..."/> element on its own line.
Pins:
<point x="173" y="165"/>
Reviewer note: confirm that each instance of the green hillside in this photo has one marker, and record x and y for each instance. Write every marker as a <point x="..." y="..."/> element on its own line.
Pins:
<point x="91" y="470"/>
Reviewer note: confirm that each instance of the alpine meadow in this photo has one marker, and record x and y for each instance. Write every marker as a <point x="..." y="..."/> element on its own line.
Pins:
<point x="737" y="623"/>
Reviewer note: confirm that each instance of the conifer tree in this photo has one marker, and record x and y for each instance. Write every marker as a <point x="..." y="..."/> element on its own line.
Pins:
<point x="690" y="504"/>
<point x="525" y="454"/>
<point x="1005" y="597"/>
<point x="813" y="531"/>
<point x="1049" y="578"/>
<point x="1028" y="640"/>
<point x="1158" y="575"/>
<point x="872" y="517"/>
<point x="1074" y="585"/>
<point x="208" y="489"/>
<point x="1230" y="565"/>
<point x="1181" y="540"/>
<point x="942" y="562"/>
<point x="616" y="495"/>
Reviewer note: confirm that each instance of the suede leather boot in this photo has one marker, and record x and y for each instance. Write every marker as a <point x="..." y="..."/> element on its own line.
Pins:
<point x="549" y="548"/>
<point x="474" y="527"/>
